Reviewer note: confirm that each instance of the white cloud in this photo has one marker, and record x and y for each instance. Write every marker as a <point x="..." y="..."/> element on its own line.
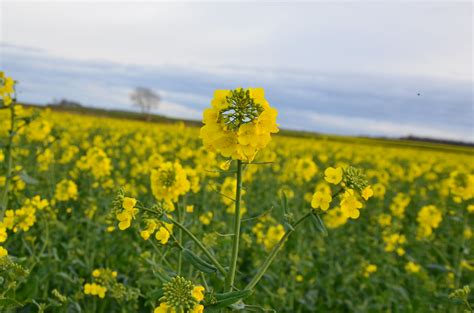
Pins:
<point x="364" y="126"/>
<point x="431" y="39"/>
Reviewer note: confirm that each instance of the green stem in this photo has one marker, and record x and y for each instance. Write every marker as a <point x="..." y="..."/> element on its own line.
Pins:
<point x="269" y="260"/>
<point x="236" y="233"/>
<point x="214" y="261"/>
<point x="4" y="198"/>
<point x="180" y="240"/>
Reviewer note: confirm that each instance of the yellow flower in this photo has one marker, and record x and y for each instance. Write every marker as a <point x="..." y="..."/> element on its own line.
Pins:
<point x="96" y="273"/>
<point x="95" y="290"/>
<point x="412" y="267"/>
<point x="321" y="200"/>
<point x="199" y="308"/>
<point x="350" y="205"/>
<point x="162" y="235"/>
<point x="3" y="232"/>
<point x="429" y="218"/>
<point x="3" y="252"/>
<point x="333" y="175"/>
<point x="367" y="193"/>
<point x="66" y="190"/>
<point x="189" y="209"/>
<point x="169" y="181"/>
<point x="198" y="293"/>
<point x="206" y="218"/>
<point x="128" y="203"/>
<point x="164" y="308"/>
<point x="125" y="220"/>
<point x="239" y="123"/>
<point x="370" y="269"/>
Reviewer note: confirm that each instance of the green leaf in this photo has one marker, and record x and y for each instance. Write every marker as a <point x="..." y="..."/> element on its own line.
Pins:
<point x="229" y="298"/>
<point x="27" y="178"/>
<point x="319" y="224"/>
<point x="198" y="262"/>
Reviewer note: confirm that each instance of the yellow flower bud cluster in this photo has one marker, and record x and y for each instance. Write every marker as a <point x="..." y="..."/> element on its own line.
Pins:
<point x="239" y="123"/>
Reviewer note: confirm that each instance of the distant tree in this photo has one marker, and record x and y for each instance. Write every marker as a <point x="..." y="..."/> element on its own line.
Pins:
<point x="146" y="99"/>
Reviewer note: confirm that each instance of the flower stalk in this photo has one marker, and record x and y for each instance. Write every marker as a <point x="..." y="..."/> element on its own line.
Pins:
<point x="271" y="257"/>
<point x="237" y="221"/>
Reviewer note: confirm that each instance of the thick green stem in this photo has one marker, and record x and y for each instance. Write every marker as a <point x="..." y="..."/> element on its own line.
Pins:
<point x="4" y="198"/>
<point x="236" y="234"/>
<point x="180" y="240"/>
<point x="269" y="260"/>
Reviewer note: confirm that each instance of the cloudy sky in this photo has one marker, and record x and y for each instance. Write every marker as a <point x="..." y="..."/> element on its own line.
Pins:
<point x="379" y="68"/>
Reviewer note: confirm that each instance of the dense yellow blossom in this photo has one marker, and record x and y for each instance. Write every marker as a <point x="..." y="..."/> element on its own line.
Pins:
<point x="95" y="290"/>
<point x="429" y="218"/>
<point x="169" y="181"/>
<point x="239" y="123"/>
<point x="66" y="190"/>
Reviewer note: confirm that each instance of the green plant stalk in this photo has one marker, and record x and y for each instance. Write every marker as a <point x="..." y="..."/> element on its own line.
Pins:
<point x="236" y="238"/>
<point x="4" y="199"/>
<point x="180" y="240"/>
<point x="213" y="260"/>
<point x="269" y="260"/>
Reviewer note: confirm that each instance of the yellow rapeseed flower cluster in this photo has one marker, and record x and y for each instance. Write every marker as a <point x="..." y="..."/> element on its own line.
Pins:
<point x="127" y="214"/>
<point x="7" y="85"/>
<point x="239" y="123"/>
<point x="94" y="289"/>
<point x="66" y="190"/>
<point x="97" y="162"/>
<point x="23" y="218"/>
<point x="169" y="181"/>
<point x="161" y="230"/>
<point x="429" y="218"/>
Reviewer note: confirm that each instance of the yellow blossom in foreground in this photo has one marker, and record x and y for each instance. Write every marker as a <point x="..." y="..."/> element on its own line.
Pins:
<point x="164" y="308"/>
<point x="198" y="293"/>
<point x="321" y="200"/>
<point x="367" y="192"/>
<point x="162" y="235"/>
<point x="333" y="175"/>
<point x="239" y="123"/>
<point x="350" y="205"/>
<point x="129" y="203"/>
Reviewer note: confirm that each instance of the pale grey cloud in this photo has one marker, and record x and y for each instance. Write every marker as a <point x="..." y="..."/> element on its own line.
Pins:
<point x="431" y="39"/>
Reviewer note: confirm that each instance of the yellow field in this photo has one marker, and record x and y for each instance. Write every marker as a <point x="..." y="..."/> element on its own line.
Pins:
<point x="73" y="239"/>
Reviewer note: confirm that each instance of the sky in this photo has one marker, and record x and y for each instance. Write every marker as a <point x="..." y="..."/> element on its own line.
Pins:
<point x="378" y="68"/>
